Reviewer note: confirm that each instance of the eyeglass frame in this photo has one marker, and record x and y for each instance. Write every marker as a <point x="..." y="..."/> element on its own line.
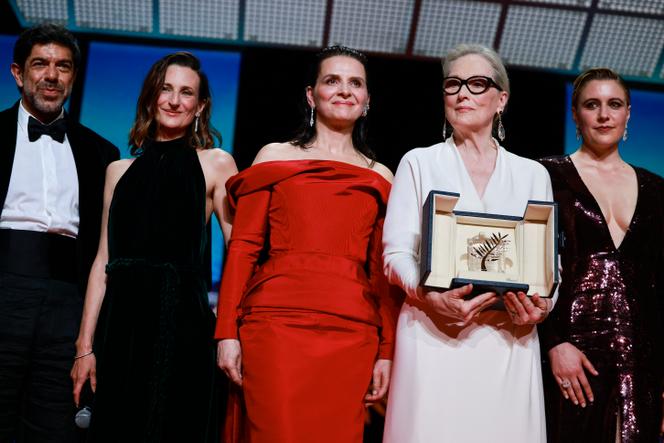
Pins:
<point x="491" y="84"/>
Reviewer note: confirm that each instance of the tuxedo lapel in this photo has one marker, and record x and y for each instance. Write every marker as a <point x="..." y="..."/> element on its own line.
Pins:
<point x="8" y="128"/>
<point x="78" y="150"/>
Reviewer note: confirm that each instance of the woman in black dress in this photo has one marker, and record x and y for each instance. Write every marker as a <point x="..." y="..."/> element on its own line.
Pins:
<point x="605" y="336"/>
<point x="152" y="360"/>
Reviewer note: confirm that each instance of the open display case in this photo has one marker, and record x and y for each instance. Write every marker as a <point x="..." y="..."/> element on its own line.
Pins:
<point x="496" y="253"/>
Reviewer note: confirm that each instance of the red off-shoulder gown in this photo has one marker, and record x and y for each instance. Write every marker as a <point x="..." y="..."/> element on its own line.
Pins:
<point x="303" y="289"/>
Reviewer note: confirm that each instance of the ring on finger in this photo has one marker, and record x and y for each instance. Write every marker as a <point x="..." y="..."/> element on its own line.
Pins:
<point x="565" y="384"/>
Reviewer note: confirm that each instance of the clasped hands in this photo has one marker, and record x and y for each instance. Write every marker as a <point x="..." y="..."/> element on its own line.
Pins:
<point x="523" y="310"/>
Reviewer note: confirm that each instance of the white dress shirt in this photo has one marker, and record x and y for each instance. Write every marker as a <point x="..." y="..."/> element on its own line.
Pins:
<point x="43" y="188"/>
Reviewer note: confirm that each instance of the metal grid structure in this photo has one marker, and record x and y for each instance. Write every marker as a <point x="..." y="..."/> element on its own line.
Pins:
<point x="644" y="6"/>
<point x="561" y="35"/>
<point x="443" y="25"/>
<point x="213" y="19"/>
<point x="630" y="45"/>
<point x="544" y="37"/>
<point x="581" y="3"/>
<point x="372" y="25"/>
<point x="119" y="15"/>
<point x="36" y="11"/>
<point x="288" y="22"/>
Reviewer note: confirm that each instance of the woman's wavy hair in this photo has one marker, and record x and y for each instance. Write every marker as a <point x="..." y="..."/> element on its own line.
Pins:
<point x="306" y="133"/>
<point x="146" y="125"/>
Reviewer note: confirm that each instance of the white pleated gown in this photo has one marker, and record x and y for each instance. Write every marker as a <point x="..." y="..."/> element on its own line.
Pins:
<point x="475" y="384"/>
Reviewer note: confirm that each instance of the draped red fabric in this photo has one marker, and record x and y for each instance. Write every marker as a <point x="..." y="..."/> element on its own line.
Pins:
<point x="304" y="291"/>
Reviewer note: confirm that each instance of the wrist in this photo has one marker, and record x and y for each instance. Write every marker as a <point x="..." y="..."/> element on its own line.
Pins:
<point x="83" y="346"/>
<point x="426" y="295"/>
<point x="420" y="294"/>
<point x="84" y="354"/>
<point x="229" y="340"/>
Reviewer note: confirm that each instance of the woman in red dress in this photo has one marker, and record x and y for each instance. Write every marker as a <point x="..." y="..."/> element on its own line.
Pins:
<point x="306" y="318"/>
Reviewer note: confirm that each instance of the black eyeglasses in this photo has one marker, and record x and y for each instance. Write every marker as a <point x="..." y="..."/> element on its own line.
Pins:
<point x="477" y="84"/>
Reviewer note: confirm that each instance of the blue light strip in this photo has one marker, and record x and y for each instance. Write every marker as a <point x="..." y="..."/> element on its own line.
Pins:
<point x="71" y="14"/>
<point x="19" y="14"/>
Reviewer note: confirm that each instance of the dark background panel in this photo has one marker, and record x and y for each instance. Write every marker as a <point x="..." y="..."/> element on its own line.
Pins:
<point x="406" y="105"/>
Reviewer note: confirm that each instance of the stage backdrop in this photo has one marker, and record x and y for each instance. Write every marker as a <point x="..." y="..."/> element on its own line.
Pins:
<point x="8" y="92"/>
<point x="645" y="142"/>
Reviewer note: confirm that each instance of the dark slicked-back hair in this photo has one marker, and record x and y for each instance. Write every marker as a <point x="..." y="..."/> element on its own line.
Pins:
<point x="42" y="35"/>
<point x="146" y="125"/>
<point x="306" y="134"/>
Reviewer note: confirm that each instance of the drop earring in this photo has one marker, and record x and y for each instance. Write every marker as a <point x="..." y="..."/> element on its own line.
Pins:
<point x="196" y="124"/>
<point x="501" y="128"/>
<point x="624" y="137"/>
<point x="578" y="133"/>
<point x="311" y="118"/>
<point x="366" y="110"/>
<point x="444" y="128"/>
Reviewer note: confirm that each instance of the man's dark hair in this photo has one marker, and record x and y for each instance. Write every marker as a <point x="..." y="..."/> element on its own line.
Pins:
<point x="42" y="35"/>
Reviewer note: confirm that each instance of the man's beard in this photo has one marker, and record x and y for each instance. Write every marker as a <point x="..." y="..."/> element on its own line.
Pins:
<point x="51" y="107"/>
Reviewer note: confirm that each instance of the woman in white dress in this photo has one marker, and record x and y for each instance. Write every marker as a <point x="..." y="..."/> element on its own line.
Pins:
<point x="462" y="373"/>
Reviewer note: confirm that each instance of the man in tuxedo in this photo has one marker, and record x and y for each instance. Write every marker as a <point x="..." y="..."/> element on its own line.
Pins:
<point x="51" y="185"/>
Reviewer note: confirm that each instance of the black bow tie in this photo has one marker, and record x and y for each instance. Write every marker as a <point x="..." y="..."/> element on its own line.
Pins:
<point x="56" y="129"/>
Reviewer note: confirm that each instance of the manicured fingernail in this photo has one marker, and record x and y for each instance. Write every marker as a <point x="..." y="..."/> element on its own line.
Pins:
<point x="576" y="402"/>
<point x="592" y="399"/>
<point x="583" y="405"/>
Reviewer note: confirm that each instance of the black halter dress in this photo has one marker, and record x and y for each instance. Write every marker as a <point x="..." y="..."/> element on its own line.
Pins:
<point x="154" y="339"/>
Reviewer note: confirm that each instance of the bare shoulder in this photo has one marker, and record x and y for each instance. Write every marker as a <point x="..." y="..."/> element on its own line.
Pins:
<point x="116" y="169"/>
<point x="275" y="151"/>
<point x="384" y="171"/>
<point x="217" y="160"/>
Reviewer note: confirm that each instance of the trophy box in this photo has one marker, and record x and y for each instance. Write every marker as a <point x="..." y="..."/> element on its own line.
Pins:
<point x="496" y="253"/>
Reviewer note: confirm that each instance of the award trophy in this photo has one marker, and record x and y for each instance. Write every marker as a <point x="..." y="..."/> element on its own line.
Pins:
<point x="496" y="253"/>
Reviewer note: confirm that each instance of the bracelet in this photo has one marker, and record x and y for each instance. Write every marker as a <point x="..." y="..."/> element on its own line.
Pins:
<point x="84" y="355"/>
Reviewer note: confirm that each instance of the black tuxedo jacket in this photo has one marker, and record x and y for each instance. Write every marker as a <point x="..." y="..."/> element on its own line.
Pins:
<point x="92" y="154"/>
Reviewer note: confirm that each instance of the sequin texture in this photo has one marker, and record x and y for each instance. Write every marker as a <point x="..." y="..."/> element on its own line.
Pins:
<point x="610" y="307"/>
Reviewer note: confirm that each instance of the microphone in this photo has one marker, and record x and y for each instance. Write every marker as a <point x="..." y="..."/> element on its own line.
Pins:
<point x="84" y="414"/>
<point x="83" y="417"/>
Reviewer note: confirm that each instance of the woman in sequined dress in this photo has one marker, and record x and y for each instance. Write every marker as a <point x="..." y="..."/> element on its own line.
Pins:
<point x="605" y="337"/>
